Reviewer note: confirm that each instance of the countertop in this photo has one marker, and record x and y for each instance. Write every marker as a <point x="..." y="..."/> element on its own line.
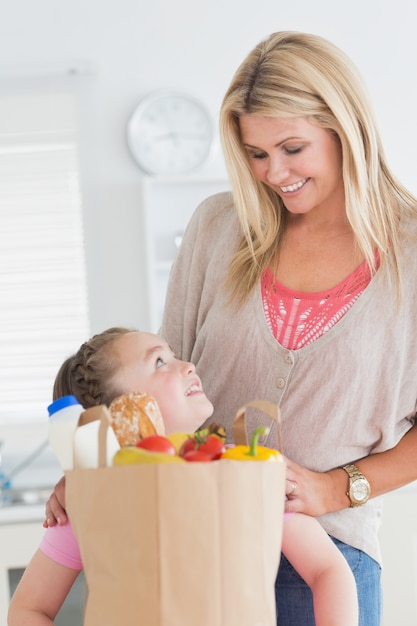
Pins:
<point x="22" y="514"/>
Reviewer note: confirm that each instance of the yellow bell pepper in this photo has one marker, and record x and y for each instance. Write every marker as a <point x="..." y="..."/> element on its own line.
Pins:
<point x="131" y="454"/>
<point x="252" y="452"/>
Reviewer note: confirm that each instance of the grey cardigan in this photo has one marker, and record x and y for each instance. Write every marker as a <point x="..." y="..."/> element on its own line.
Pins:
<point x="351" y="392"/>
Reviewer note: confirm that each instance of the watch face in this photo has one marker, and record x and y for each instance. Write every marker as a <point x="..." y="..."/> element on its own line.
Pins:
<point x="360" y="490"/>
<point x="169" y="133"/>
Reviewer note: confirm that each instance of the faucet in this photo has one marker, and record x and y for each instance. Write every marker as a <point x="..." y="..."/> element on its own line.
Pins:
<point x="4" y="479"/>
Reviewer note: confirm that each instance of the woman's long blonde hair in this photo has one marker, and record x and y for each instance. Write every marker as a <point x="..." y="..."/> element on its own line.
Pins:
<point x="293" y="74"/>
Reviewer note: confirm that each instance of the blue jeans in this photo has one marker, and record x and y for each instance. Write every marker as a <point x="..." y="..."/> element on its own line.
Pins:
<point x="294" y="598"/>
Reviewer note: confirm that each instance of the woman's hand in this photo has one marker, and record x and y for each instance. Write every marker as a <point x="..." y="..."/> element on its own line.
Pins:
<point x="315" y="493"/>
<point x="55" y="506"/>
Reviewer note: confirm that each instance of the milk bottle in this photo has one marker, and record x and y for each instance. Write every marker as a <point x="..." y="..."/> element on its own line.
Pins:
<point x="74" y="434"/>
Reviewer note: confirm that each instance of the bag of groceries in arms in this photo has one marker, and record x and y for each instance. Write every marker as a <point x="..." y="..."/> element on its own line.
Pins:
<point x="178" y="543"/>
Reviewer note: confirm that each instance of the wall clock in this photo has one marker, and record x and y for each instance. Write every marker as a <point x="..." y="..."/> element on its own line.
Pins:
<point x="169" y="133"/>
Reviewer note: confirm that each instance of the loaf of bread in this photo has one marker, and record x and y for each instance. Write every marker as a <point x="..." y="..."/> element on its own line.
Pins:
<point x="135" y="416"/>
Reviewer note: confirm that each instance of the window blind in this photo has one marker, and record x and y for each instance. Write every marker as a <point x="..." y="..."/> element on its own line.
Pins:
<point x="43" y="292"/>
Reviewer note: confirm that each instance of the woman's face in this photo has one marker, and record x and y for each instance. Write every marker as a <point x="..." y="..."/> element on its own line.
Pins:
<point x="299" y="160"/>
<point x="147" y="364"/>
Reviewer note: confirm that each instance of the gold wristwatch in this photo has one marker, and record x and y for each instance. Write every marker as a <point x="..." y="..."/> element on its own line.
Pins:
<point x="359" y="488"/>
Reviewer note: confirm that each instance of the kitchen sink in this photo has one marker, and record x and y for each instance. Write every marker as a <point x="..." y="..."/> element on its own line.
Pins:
<point x="28" y="496"/>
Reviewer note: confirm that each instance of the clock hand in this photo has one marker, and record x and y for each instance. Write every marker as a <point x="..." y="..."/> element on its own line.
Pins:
<point x="174" y="136"/>
<point x="166" y="136"/>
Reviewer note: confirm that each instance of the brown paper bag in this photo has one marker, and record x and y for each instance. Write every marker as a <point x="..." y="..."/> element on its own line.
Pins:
<point x="193" y="544"/>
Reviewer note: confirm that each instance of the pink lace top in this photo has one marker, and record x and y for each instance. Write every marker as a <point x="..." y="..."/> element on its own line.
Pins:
<point x="297" y="318"/>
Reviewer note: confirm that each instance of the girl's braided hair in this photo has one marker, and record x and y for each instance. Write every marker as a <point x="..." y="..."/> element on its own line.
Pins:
<point x="89" y="373"/>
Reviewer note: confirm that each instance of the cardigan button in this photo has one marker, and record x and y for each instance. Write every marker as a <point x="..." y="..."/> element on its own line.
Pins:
<point x="289" y="358"/>
<point x="280" y="383"/>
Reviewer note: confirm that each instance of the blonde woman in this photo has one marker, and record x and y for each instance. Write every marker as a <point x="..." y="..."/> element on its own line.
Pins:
<point x="300" y="288"/>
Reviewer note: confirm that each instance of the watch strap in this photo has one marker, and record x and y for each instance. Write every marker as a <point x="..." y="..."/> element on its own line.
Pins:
<point x="354" y="473"/>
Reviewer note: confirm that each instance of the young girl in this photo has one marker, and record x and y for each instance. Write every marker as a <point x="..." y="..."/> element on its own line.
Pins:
<point x="119" y="361"/>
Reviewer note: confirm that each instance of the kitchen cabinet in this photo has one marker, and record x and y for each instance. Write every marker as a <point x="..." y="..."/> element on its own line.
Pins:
<point x="19" y="539"/>
<point x="20" y="533"/>
<point x="168" y="204"/>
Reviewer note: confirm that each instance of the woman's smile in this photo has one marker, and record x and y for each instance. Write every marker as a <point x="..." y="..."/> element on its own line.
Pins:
<point x="294" y="186"/>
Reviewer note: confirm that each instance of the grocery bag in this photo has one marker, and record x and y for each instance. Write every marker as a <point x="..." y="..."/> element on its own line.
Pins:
<point x="187" y="544"/>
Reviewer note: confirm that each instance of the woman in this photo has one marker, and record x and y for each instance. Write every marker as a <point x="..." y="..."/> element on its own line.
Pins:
<point x="300" y="288"/>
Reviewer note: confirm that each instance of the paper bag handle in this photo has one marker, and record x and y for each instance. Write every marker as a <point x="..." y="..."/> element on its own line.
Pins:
<point x="240" y="434"/>
<point x="102" y="413"/>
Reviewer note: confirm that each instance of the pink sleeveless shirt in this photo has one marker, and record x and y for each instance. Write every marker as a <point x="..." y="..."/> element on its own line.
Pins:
<point x="297" y="318"/>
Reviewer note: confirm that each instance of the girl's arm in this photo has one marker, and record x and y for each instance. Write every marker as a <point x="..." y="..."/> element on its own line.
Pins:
<point x="41" y="592"/>
<point x="319" y="493"/>
<point x="323" y="567"/>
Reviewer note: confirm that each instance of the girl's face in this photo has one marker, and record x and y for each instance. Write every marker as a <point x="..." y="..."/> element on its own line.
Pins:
<point x="299" y="160"/>
<point x="147" y="364"/>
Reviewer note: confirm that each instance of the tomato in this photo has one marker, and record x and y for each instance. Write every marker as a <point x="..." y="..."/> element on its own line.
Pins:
<point x="188" y="445"/>
<point x="210" y="445"/>
<point x="157" y="443"/>
<point x="177" y="439"/>
<point x="197" y="455"/>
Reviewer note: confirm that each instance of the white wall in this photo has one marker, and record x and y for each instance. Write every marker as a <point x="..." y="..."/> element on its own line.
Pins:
<point x="194" y="46"/>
